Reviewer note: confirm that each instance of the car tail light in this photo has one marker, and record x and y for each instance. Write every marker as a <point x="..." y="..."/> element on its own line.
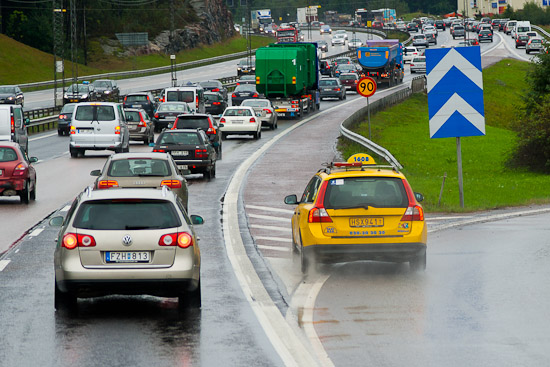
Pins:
<point x="73" y="130"/>
<point x="62" y="117"/>
<point x="147" y="98"/>
<point x="222" y="120"/>
<point x="337" y="89"/>
<point x="173" y="184"/>
<point x="238" y="83"/>
<point x="126" y="97"/>
<point x="156" y="115"/>
<point x="216" y="103"/>
<point x="197" y="101"/>
<point x="12" y="125"/>
<point x="234" y="95"/>
<point x="19" y="170"/>
<point x="255" y="95"/>
<point x="117" y="130"/>
<point x="72" y="240"/>
<point x="106" y="184"/>
<point x="268" y="111"/>
<point x="142" y="122"/>
<point x="159" y="151"/>
<point x="211" y="131"/>
<point x="183" y="240"/>
<point x="201" y="153"/>
<point x="414" y="211"/>
<point x="216" y="90"/>
<point x="318" y="213"/>
<point x="175" y="126"/>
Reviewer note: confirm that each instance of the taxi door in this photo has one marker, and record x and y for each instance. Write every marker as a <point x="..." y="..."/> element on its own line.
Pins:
<point x="300" y="223"/>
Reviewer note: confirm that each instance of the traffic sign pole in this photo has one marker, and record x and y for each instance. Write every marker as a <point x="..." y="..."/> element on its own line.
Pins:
<point x="367" y="87"/>
<point x="368" y="114"/>
<point x="459" y="163"/>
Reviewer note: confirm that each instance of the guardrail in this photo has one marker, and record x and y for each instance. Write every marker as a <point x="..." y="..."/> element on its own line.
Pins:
<point x="541" y="30"/>
<point x="418" y="84"/>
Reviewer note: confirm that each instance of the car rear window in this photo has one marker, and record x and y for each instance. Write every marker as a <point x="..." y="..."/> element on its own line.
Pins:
<point x="358" y="192"/>
<point x="126" y="214"/>
<point x="192" y="122"/>
<point x="212" y="97"/>
<point x="187" y="96"/>
<point x="348" y="77"/>
<point x="68" y="108"/>
<point x="132" y="116"/>
<point x="95" y="113"/>
<point x="328" y="83"/>
<point x="170" y="138"/>
<point x="139" y="167"/>
<point x="136" y="98"/>
<point x="7" y="154"/>
<point x="171" y="107"/>
<point x="237" y="112"/>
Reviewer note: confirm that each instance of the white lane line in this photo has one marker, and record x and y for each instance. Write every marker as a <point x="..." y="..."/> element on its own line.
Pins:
<point x="278" y="239"/>
<point x="16" y="251"/>
<point x="268" y="217"/>
<point x="450" y="218"/>
<point x="36" y="232"/>
<point x="3" y="264"/>
<point x="65" y="208"/>
<point x="42" y="137"/>
<point x="269" y="209"/>
<point x="274" y="248"/>
<point x="272" y="228"/>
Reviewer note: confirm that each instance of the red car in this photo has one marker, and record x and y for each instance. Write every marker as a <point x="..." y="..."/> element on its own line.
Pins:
<point x="17" y="175"/>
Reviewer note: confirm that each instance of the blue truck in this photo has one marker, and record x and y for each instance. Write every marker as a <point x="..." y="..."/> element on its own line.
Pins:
<point x="382" y="60"/>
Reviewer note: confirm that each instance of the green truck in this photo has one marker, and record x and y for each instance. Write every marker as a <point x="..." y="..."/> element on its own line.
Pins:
<point x="288" y="75"/>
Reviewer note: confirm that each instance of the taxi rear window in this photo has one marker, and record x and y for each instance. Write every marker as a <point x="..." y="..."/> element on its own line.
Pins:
<point x="360" y="192"/>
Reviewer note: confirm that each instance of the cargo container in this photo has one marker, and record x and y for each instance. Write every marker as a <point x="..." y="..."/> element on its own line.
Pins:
<point x="288" y="75"/>
<point x="382" y="60"/>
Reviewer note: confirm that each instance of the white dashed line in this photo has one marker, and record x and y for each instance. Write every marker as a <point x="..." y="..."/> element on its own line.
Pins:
<point x="278" y="239"/>
<point x="449" y="218"/>
<point x="280" y="229"/>
<point x="269" y="209"/>
<point x="66" y="208"/>
<point x="36" y="232"/>
<point x="273" y="248"/>
<point x="278" y="219"/>
<point x="3" y="264"/>
<point x="42" y="137"/>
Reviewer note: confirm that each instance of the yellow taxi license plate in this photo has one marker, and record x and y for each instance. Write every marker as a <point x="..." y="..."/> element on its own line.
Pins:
<point x="366" y="222"/>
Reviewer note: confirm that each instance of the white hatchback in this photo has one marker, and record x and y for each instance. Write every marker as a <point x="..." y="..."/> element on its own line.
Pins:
<point x="240" y="120"/>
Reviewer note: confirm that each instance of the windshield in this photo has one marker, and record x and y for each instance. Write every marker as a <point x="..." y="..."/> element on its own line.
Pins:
<point x="192" y="122"/>
<point x="137" y="167"/>
<point x="132" y="116"/>
<point x="126" y="214"/>
<point x="289" y="33"/>
<point x="324" y="82"/>
<point x="213" y="97"/>
<point x="237" y="112"/>
<point x="102" y="84"/>
<point x="380" y="192"/>
<point x="7" y="90"/>
<point x="348" y="77"/>
<point x="80" y="88"/>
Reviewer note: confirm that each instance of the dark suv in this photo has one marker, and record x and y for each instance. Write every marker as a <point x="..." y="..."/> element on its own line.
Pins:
<point x="439" y="24"/>
<point x="215" y="86"/>
<point x="143" y="100"/>
<point x="206" y="123"/>
<point x="190" y="149"/>
<point x="106" y="90"/>
<point x="331" y="88"/>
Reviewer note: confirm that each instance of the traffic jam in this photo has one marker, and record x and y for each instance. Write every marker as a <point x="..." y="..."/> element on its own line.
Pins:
<point x="147" y="240"/>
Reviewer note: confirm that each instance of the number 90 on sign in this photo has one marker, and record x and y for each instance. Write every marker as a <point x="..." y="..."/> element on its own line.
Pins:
<point x="366" y="86"/>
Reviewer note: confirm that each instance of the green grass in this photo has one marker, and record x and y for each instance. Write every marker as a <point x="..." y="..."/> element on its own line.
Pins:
<point x="23" y="64"/>
<point x="488" y="181"/>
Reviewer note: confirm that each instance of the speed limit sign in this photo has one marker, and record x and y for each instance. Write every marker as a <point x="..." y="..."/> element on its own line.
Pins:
<point x="366" y="86"/>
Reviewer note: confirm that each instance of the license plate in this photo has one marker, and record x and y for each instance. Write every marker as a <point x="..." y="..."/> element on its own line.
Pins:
<point x="128" y="257"/>
<point x="180" y="152"/>
<point x="280" y="114"/>
<point x="237" y="121"/>
<point x="366" y="222"/>
<point x="207" y="105"/>
<point x="327" y="89"/>
<point x="182" y="166"/>
<point x="136" y="106"/>
<point x="85" y="131"/>
<point x="170" y="118"/>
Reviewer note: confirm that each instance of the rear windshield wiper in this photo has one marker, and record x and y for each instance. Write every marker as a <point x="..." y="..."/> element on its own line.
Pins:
<point x="141" y="227"/>
<point x="362" y="206"/>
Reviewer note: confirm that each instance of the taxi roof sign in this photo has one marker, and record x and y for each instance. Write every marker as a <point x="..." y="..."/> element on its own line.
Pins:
<point x="362" y="158"/>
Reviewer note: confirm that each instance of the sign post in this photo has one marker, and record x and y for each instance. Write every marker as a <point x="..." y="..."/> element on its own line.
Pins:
<point x="367" y="87"/>
<point x="455" y="97"/>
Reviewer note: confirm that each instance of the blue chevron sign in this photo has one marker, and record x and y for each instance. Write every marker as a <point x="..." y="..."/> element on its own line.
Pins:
<point x="455" y="92"/>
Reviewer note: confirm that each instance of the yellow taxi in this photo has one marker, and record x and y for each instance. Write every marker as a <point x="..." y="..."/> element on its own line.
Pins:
<point x="358" y="210"/>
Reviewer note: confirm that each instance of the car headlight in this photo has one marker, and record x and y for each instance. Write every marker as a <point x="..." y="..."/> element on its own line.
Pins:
<point x="10" y="98"/>
<point x="107" y="92"/>
<point x="66" y="96"/>
<point x="238" y="68"/>
<point x="84" y="96"/>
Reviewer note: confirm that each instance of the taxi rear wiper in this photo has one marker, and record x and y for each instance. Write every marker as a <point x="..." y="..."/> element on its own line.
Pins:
<point x="362" y="206"/>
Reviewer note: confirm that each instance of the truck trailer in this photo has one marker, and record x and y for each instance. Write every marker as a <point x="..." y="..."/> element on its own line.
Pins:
<point x="382" y="60"/>
<point x="288" y="75"/>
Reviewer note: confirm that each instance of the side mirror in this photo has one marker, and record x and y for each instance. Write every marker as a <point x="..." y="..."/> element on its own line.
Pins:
<point x="197" y="219"/>
<point x="291" y="200"/>
<point x="33" y="159"/>
<point x="95" y="172"/>
<point x="152" y="145"/>
<point x="419" y="197"/>
<point x="56" y="221"/>
<point x="221" y="125"/>
<point x="27" y="121"/>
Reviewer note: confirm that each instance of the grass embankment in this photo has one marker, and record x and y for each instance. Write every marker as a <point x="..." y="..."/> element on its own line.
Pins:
<point x="488" y="181"/>
<point x="23" y="64"/>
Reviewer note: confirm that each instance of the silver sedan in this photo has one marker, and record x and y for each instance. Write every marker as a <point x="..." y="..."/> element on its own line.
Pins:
<point x="264" y="111"/>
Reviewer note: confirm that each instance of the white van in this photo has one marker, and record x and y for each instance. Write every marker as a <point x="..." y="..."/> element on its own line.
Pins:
<point x="98" y="126"/>
<point x="521" y="27"/>
<point x="13" y="125"/>
<point x="192" y="94"/>
<point x="510" y="25"/>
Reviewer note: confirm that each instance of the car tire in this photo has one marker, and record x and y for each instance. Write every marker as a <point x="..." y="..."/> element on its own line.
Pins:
<point x="33" y="193"/>
<point x="345" y="96"/>
<point x="73" y="152"/>
<point x="64" y="302"/>
<point x="191" y="299"/>
<point x="60" y="132"/>
<point x="25" y="194"/>
<point x="146" y="140"/>
<point x="224" y="136"/>
<point x="213" y="170"/>
<point x="207" y="174"/>
<point x="119" y="150"/>
<point x="418" y="263"/>
<point x="219" y="153"/>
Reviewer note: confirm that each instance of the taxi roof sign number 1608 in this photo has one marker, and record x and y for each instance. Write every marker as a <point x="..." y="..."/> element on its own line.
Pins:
<point x="366" y="86"/>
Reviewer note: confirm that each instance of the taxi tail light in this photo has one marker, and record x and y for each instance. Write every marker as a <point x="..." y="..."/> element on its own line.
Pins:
<point x="201" y="153"/>
<point x="318" y="213"/>
<point x="183" y="240"/>
<point x="413" y="213"/>
<point x="173" y="184"/>
<point x="106" y="184"/>
<point x="73" y="240"/>
<point x="117" y="130"/>
<point x="252" y="120"/>
<point x="19" y="170"/>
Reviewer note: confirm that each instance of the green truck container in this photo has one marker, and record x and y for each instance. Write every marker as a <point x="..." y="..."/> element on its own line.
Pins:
<point x="288" y="75"/>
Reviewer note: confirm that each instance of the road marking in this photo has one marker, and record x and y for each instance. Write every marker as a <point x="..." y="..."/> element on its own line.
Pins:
<point x="3" y="264"/>
<point x="279" y="219"/>
<point x="450" y="218"/>
<point x="66" y="208"/>
<point x="43" y="137"/>
<point x="36" y="232"/>
<point x="272" y="228"/>
<point x="273" y="248"/>
<point x="278" y="239"/>
<point x="269" y="209"/>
